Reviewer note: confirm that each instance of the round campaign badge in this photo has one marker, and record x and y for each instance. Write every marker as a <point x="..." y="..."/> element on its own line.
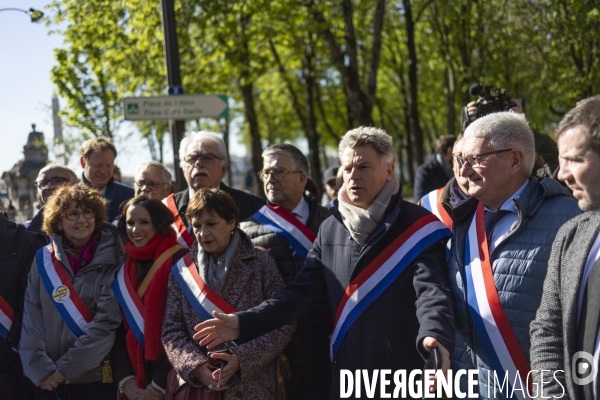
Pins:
<point x="60" y="294"/>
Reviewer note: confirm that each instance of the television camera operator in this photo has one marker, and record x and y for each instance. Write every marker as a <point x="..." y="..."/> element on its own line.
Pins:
<point x="492" y="99"/>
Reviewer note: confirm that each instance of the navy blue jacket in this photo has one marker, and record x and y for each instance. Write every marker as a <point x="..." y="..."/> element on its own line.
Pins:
<point x="416" y="305"/>
<point x="116" y="194"/>
<point x="430" y="176"/>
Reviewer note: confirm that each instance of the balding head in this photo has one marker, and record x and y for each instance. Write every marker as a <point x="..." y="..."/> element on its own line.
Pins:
<point x="51" y="177"/>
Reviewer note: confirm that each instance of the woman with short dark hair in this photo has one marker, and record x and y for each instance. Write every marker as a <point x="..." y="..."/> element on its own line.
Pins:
<point x="70" y="312"/>
<point x="139" y="359"/>
<point x="223" y="271"/>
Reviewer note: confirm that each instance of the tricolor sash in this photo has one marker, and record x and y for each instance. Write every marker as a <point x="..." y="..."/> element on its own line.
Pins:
<point x="7" y="317"/>
<point x="283" y="223"/>
<point x="202" y="298"/>
<point x="432" y="201"/>
<point x="60" y="289"/>
<point x="183" y="231"/>
<point x="382" y="272"/>
<point x="489" y="319"/>
<point x="130" y="303"/>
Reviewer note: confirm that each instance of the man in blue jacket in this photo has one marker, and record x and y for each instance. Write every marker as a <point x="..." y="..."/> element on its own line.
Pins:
<point x="98" y="162"/>
<point x="381" y="261"/>
<point x="501" y="241"/>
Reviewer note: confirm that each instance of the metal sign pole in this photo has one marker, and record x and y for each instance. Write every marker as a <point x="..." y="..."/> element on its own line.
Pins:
<point x="173" y="79"/>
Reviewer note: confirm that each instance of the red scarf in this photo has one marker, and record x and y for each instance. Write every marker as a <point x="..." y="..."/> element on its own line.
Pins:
<point x="154" y="300"/>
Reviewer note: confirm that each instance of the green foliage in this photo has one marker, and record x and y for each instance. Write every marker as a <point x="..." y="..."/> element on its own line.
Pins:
<point x="298" y="59"/>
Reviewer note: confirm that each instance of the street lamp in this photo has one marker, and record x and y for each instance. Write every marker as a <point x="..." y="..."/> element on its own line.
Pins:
<point x="35" y="15"/>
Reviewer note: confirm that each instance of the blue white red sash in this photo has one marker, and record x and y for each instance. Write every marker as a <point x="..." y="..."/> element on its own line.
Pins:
<point x="130" y="303"/>
<point x="7" y="317"/>
<point x="183" y="231"/>
<point x="493" y="329"/>
<point x="382" y="272"/>
<point x="283" y="223"/>
<point x="60" y="289"/>
<point x="432" y="201"/>
<point x="202" y="298"/>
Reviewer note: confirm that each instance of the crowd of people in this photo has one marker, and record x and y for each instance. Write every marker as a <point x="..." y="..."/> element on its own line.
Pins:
<point x="212" y="292"/>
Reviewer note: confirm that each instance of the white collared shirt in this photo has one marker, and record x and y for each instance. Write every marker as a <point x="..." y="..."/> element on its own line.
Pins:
<point x="192" y="192"/>
<point x="503" y="227"/>
<point x="301" y="211"/>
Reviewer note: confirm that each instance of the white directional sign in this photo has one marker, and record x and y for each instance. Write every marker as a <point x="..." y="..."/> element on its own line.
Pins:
<point x="180" y="107"/>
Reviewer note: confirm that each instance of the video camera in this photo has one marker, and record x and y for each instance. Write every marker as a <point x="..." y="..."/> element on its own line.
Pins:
<point x="492" y="99"/>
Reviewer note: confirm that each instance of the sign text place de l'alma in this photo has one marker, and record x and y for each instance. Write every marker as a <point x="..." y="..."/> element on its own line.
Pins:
<point x="180" y="107"/>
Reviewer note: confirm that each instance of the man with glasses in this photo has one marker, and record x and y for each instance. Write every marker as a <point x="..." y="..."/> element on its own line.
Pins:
<point x="203" y="159"/>
<point x="441" y="201"/>
<point x="51" y="177"/>
<point x="98" y="163"/>
<point x="153" y="179"/>
<point x="501" y="243"/>
<point x="287" y="227"/>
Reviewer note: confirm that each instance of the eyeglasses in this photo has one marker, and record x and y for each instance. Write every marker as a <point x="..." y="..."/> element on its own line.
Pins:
<point x="277" y="174"/>
<point x="74" y="215"/>
<point x="475" y="160"/>
<point x="54" y="181"/>
<point x="206" y="158"/>
<point x="149" y="184"/>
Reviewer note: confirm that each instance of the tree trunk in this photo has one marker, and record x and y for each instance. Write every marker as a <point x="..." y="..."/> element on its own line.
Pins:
<point x="309" y="106"/>
<point x="358" y="101"/>
<point x="450" y="90"/>
<point x="248" y="96"/>
<point x="415" y="133"/>
<point x="225" y="130"/>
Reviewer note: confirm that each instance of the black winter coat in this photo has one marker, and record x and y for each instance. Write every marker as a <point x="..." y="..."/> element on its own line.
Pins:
<point x="246" y="202"/>
<point x="388" y="333"/>
<point x="17" y="250"/>
<point x="308" y="350"/>
<point x="430" y="176"/>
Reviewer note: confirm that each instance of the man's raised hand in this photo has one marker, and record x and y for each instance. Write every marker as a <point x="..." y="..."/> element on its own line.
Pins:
<point x="213" y="332"/>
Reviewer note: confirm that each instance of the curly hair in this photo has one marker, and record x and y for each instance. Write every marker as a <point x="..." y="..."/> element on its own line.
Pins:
<point x="160" y="215"/>
<point x="83" y="196"/>
<point x="214" y="201"/>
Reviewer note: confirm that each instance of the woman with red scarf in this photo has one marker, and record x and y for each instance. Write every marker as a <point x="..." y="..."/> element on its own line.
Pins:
<point x="139" y="359"/>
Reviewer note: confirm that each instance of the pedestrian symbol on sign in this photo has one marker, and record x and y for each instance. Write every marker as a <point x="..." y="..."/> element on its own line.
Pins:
<point x="133" y="108"/>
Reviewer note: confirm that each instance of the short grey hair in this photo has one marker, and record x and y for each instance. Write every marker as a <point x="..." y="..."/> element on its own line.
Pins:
<point x="506" y="130"/>
<point x="200" y="137"/>
<point x="166" y="174"/>
<point x="300" y="161"/>
<point x="69" y="171"/>
<point x="368" y="135"/>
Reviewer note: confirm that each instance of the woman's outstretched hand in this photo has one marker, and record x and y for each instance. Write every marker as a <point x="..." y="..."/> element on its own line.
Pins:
<point x="213" y="332"/>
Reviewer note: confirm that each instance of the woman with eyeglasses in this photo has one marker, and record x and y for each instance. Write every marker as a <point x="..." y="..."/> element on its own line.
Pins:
<point x="71" y="314"/>
<point x="140" y="363"/>
<point x="223" y="271"/>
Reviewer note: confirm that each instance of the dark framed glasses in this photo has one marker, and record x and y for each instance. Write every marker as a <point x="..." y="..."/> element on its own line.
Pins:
<point x="74" y="215"/>
<point x="54" y="182"/>
<point x="205" y="158"/>
<point x="277" y="174"/>
<point x="475" y="160"/>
